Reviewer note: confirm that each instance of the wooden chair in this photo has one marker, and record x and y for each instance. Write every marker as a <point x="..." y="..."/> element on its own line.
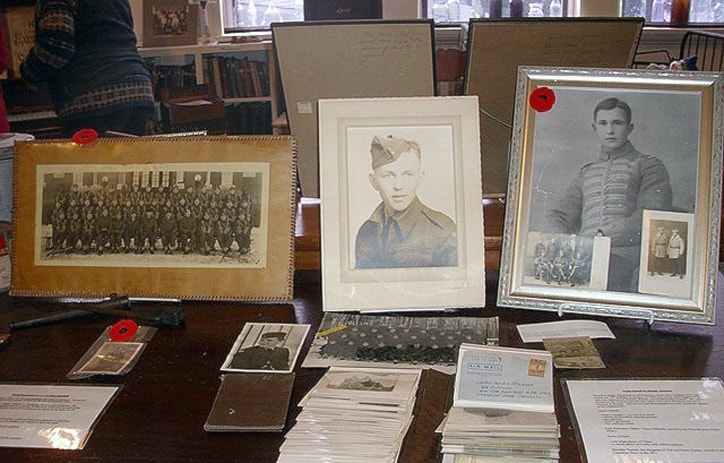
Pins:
<point x="708" y="47"/>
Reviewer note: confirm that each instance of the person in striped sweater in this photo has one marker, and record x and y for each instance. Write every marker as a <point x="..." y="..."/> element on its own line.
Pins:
<point x="86" y="51"/>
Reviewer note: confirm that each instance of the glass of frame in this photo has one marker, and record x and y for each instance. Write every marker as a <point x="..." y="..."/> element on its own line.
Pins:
<point x="614" y="194"/>
<point x="184" y="218"/>
<point x="401" y="214"/>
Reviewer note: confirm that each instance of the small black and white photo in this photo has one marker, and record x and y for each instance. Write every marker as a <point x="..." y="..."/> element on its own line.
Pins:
<point x="568" y="261"/>
<point x="166" y="215"/>
<point x="665" y="265"/>
<point x="169" y="23"/>
<point x="267" y="347"/>
<point x="171" y="20"/>
<point x="111" y="358"/>
<point x="603" y="155"/>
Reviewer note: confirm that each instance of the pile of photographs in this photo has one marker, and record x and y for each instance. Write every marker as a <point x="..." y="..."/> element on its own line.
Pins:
<point x="354" y="340"/>
<point x="508" y="436"/>
<point x="353" y="415"/>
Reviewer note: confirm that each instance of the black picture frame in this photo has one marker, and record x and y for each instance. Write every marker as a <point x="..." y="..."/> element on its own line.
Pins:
<point x="320" y="10"/>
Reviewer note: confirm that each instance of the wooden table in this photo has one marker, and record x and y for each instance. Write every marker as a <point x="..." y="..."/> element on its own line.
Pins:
<point x="160" y="412"/>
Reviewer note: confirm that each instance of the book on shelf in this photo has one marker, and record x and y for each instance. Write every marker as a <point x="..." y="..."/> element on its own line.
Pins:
<point x="249" y="118"/>
<point x="170" y="76"/>
<point x="233" y="77"/>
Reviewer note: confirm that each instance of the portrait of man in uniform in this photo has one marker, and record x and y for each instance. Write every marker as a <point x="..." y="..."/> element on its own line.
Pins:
<point x="629" y="162"/>
<point x="269" y="347"/>
<point x="402" y="231"/>
<point x="267" y="354"/>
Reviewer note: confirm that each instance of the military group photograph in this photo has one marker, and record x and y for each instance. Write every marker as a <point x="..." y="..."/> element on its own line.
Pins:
<point x="152" y="217"/>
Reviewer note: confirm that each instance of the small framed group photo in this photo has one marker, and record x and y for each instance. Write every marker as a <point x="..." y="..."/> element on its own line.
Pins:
<point x="169" y="22"/>
<point x="267" y="347"/>
<point x="614" y="194"/>
<point x="182" y="218"/>
<point x="401" y="214"/>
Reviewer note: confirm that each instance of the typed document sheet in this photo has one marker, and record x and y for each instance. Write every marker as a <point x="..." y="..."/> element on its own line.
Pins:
<point x="672" y="421"/>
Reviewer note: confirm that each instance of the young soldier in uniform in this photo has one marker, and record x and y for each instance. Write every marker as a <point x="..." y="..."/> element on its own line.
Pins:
<point x="118" y="229"/>
<point x="609" y="194"/>
<point x="224" y="233"/>
<point x="168" y="231"/>
<point x="187" y="231"/>
<point x="265" y="355"/>
<point x="402" y="231"/>
<point x="74" y="231"/>
<point x="148" y="232"/>
<point x="103" y="230"/>
<point x="132" y="233"/>
<point x="88" y="232"/>
<point x="676" y="254"/>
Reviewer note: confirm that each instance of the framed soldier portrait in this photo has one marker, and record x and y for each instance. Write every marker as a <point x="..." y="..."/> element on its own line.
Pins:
<point x="614" y="193"/>
<point x="181" y="218"/>
<point x="401" y="215"/>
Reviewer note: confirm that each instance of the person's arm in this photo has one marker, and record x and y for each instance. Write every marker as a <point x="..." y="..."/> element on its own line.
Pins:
<point x="565" y="215"/>
<point x="54" y="40"/>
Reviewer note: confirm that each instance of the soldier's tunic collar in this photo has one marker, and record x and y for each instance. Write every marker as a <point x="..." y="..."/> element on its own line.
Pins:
<point x="615" y="153"/>
<point x="405" y="219"/>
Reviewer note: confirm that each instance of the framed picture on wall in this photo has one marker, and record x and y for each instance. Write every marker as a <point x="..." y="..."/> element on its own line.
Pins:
<point x="401" y="215"/>
<point x="169" y="22"/>
<point x="614" y="193"/>
<point x="183" y="218"/>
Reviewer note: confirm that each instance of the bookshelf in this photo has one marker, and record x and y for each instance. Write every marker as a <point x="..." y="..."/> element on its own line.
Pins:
<point x="243" y="75"/>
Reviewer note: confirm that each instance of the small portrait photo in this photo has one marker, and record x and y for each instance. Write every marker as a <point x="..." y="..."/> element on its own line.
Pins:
<point x="569" y="261"/>
<point x="665" y="267"/>
<point x="268" y="347"/>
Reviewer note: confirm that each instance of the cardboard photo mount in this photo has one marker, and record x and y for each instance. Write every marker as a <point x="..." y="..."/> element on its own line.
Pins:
<point x="249" y="258"/>
<point x="351" y="59"/>
<point x="497" y="47"/>
<point x="436" y="271"/>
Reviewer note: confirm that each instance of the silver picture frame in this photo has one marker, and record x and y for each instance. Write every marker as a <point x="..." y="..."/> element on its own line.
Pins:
<point x="591" y="183"/>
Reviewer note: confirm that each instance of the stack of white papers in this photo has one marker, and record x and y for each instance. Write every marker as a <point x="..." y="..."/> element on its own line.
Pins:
<point x="355" y="415"/>
<point x="503" y="408"/>
<point x="475" y="435"/>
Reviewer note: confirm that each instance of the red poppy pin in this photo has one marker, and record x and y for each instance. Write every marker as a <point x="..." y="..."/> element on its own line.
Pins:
<point x="84" y="136"/>
<point x="123" y="331"/>
<point x="542" y="99"/>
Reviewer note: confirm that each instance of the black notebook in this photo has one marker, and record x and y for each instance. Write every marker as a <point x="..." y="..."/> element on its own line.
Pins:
<point x="251" y="402"/>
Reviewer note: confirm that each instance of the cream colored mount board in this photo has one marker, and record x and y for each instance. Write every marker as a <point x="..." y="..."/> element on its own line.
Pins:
<point x="323" y="60"/>
<point x="497" y="47"/>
